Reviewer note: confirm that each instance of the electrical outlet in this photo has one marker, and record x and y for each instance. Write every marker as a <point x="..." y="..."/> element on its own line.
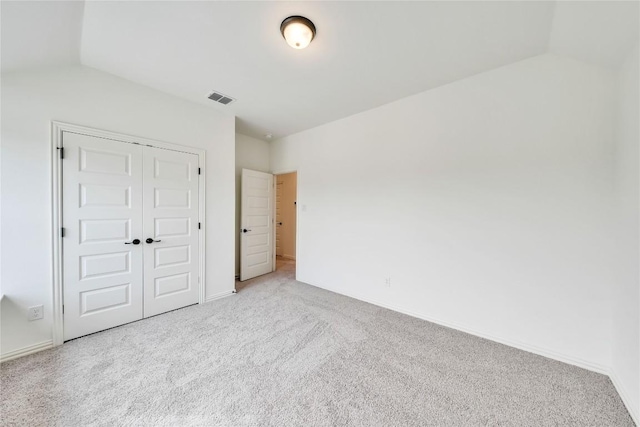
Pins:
<point x="36" y="312"/>
<point x="387" y="282"/>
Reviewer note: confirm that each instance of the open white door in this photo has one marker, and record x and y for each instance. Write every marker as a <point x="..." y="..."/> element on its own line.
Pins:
<point x="256" y="224"/>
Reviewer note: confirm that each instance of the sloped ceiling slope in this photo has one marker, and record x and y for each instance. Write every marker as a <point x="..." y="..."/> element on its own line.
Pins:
<point x="40" y="33"/>
<point x="598" y="32"/>
<point x="365" y="54"/>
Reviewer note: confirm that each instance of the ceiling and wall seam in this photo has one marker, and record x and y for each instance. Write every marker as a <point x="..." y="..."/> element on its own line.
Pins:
<point x="129" y="40"/>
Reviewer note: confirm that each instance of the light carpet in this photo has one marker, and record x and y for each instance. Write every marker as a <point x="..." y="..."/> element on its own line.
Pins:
<point x="283" y="353"/>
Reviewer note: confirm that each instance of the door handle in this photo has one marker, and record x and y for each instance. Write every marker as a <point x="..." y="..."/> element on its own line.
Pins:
<point x="150" y="240"/>
<point x="133" y="242"/>
<point x="244" y="230"/>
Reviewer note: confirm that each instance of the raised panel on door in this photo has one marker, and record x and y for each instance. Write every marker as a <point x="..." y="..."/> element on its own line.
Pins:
<point x="102" y="210"/>
<point x="256" y="218"/>
<point x="171" y="214"/>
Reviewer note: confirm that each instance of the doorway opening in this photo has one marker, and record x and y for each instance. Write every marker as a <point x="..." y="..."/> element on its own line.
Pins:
<point x="286" y="221"/>
<point x="268" y="223"/>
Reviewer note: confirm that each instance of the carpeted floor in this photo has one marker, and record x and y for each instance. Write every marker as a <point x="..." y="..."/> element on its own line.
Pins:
<point x="282" y="353"/>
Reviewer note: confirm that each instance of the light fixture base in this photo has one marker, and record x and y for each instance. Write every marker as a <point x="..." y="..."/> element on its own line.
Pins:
<point x="297" y="20"/>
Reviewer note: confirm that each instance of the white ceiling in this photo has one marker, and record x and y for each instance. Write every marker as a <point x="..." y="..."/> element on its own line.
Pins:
<point x="37" y="34"/>
<point x="365" y="54"/>
<point x="600" y="32"/>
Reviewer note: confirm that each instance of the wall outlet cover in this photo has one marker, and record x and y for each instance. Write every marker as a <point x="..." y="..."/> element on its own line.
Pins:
<point x="35" y="313"/>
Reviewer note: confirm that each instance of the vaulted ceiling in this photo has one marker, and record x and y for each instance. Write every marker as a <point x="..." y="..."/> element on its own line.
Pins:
<point x="365" y="53"/>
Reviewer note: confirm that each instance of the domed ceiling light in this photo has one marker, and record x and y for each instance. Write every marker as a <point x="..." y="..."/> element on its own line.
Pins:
<point x="298" y="31"/>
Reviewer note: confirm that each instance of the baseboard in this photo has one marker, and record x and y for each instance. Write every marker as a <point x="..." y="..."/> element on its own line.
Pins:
<point x="44" y="345"/>
<point x="634" y="411"/>
<point x="551" y="354"/>
<point x="219" y="295"/>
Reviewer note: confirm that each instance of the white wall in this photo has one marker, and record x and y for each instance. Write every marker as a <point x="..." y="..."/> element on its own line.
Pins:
<point x="486" y="201"/>
<point x="626" y="298"/>
<point x="83" y="96"/>
<point x="37" y="34"/>
<point x="251" y="153"/>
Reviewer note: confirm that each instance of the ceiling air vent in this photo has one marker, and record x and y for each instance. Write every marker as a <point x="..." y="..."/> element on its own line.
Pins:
<point x="221" y="98"/>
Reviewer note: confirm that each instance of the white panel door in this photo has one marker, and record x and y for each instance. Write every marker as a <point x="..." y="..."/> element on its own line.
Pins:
<point x="256" y="233"/>
<point x="171" y="237"/>
<point x="102" y="215"/>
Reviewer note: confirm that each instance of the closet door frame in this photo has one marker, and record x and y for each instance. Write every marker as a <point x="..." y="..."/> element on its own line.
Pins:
<point x="57" y="129"/>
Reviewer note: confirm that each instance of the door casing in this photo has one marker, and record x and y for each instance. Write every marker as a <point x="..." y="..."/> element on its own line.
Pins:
<point x="57" y="129"/>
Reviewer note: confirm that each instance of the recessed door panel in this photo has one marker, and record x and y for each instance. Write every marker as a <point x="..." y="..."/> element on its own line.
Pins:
<point x="172" y="198"/>
<point x="258" y="259"/>
<point x="260" y="220"/>
<point x="172" y="227"/>
<point x="258" y="183"/>
<point x="258" y="202"/>
<point x="104" y="196"/>
<point x="172" y="171"/>
<point x="259" y="240"/>
<point x="95" y="231"/>
<point x="105" y="161"/>
<point x="102" y="265"/>
<point x="105" y="299"/>
<point x="168" y="285"/>
<point x="172" y="256"/>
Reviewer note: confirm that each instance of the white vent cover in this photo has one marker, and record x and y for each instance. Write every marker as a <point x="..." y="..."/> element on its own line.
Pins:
<point x="220" y="98"/>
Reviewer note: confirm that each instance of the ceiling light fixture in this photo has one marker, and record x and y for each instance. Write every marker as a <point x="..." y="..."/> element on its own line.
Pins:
<point x="298" y="31"/>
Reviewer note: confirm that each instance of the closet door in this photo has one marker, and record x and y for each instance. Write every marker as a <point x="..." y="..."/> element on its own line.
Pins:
<point x="102" y="217"/>
<point x="171" y="237"/>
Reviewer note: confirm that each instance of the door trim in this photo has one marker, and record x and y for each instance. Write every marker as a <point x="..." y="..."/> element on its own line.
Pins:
<point x="283" y="172"/>
<point x="57" y="128"/>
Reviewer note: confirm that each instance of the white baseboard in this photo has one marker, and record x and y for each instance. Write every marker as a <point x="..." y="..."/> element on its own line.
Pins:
<point x="585" y="364"/>
<point x="634" y="411"/>
<point x="44" y="345"/>
<point x="219" y="295"/>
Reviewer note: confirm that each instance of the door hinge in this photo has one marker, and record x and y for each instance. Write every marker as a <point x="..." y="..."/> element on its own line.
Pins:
<point x="61" y="152"/>
<point x="62" y="232"/>
<point x="199" y="171"/>
<point x="62" y="308"/>
<point x="199" y="225"/>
